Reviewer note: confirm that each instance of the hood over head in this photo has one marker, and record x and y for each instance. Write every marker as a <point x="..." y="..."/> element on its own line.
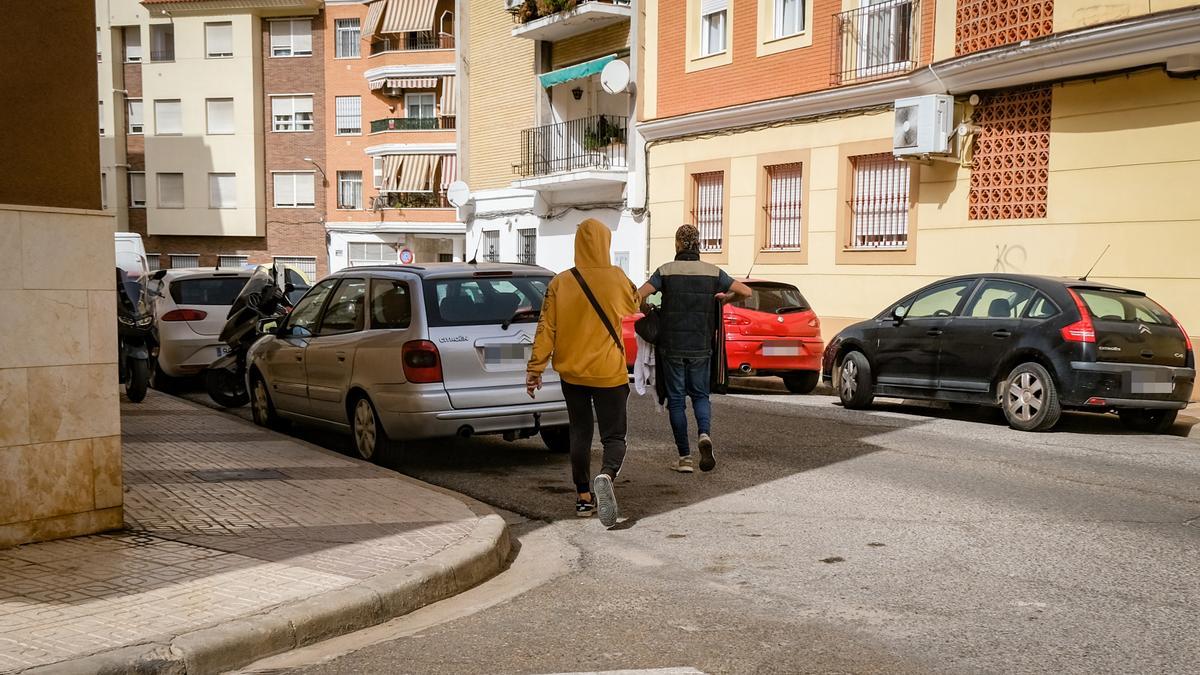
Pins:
<point x="592" y="242"/>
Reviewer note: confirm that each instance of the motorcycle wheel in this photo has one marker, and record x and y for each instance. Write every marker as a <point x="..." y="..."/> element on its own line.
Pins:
<point x="226" y="388"/>
<point x="139" y="380"/>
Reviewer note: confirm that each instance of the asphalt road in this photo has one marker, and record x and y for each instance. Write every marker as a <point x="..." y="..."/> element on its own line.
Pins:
<point x="905" y="539"/>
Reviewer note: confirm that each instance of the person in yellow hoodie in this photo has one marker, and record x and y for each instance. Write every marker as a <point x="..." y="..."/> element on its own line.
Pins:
<point x="580" y="335"/>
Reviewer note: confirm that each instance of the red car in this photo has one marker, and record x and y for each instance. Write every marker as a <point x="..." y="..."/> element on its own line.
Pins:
<point x="773" y="332"/>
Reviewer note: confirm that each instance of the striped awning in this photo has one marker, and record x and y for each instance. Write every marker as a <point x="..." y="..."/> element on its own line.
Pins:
<point x="449" y="170"/>
<point x="403" y="83"/>
<point x="408" y="173"/>
<point x="374" y="15"/>
<point x="449" y="106"/>
<point x="409" y="16"/>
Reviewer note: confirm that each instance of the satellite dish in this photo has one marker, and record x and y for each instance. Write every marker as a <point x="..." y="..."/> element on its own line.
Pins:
<point x="458" y="193"/>
<point x="615" y="77"/>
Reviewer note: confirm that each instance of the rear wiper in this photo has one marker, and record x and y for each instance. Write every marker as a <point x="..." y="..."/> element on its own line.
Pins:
<point x="520" y="314"/>
<point x="788" y="310"/>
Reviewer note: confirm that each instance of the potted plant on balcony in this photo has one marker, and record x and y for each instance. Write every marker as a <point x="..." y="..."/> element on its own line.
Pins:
<point x="548" y="7"/>
<point x="600" y="137"/>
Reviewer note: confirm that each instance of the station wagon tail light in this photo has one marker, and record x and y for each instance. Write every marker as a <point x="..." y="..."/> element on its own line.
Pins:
<point x="184" y="315"/>
<point x="1082" y="330"/>
<point x="735" y="320"/>
<point x="814" y="322"/>
<point x="1187" y="339"/>
<point x="422" y="363"/>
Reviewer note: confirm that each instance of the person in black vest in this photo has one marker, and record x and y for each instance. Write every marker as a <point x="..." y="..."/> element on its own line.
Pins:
<point x="690" y="290"/>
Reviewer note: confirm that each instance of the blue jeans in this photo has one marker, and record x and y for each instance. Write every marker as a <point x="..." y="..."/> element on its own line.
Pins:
<point x="691" y="377"/>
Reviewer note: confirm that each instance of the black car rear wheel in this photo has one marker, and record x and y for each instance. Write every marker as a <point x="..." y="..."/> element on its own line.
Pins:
<point x="854" y="385"/>
<point x="1030" y="399"/>
<point x="1154" y="421"/>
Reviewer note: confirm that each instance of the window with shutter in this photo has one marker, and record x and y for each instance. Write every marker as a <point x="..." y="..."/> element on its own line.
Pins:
<point x="291" y="37"/>
<point x="220" y="116"/>
<point x="232" y="261"/>
<point x="784" y="207"/>
<point x="137" y="189"/>
<point x="377" y="171"/>
<point x="292" y="113"/>
<point x="133" y="112"/>
<point x="222" y="190"/>
<point x="168" y="118"/>
<point x="713" y="17"/>
<point x="708" y="209"/>
<point x="181" y="260"/>
<point x="294" y="190"/>
<point x="170" y="191"/>
<point x="349" y="115"/>
<point x="218" y="38"/>
<point x="133" y="44"/>
<point x="880" y="202"/>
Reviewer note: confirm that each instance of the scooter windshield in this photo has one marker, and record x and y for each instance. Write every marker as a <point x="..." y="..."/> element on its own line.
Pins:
<point x="133" y="275"/>
<point x="262" y="281"/>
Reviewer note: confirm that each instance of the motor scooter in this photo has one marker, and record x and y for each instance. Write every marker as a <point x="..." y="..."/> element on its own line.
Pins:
<point x="264" y="296"/>
<point x="136" y="343"/>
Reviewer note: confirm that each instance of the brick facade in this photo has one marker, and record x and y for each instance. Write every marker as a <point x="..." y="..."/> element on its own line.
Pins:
<point x="751" y="77"/>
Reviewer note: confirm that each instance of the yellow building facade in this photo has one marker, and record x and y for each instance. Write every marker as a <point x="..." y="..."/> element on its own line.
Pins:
<point x="1119" y="170"/>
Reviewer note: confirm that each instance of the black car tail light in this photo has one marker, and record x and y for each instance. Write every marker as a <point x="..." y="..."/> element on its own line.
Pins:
<point x="422" y="363"/>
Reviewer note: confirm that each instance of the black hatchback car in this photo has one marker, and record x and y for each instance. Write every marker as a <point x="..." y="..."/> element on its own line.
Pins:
<point x="1031" y="345"/>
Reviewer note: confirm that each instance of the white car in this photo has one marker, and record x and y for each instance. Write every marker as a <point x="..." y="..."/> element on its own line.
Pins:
<point x="190" y="312"/>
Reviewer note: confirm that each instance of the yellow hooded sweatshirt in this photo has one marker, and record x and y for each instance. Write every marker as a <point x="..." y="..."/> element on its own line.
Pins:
<point x="570" y="331"/>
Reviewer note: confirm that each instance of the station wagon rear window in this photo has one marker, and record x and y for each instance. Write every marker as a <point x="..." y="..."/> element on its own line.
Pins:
<point x="475" y="301"/>
<point x="207" y="290"/>
<point x="1108" y="305"/>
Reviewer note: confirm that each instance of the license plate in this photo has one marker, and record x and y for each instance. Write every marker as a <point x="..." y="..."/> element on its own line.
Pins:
<point x="505" y="354"/>
<point x="782" y="349"/>
<point x="1152" y="383"/>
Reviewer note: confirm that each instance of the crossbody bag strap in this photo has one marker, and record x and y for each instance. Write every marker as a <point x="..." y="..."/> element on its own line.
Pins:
<point x="612" y="332"/>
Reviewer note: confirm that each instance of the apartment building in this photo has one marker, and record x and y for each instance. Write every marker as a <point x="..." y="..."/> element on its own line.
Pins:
<point x="391" y="95"/>
<point x="1065" y="127"/>
<point x="212" y="129"/>
<point x="550" y="95"/>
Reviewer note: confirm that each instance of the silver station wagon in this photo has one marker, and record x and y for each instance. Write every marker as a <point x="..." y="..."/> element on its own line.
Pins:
<point x="405" y="352"/>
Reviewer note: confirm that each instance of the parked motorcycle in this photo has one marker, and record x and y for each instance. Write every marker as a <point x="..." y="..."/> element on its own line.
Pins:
<point x="263" y="297"/>
<point x="135" y="325"/>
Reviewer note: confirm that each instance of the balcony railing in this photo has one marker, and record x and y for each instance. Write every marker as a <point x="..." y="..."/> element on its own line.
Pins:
<point x="530" y="10"/>
<point x="411" y="42"/>
<point x="162" y="54"/>
<point x="596" y="142"/>
<point x="410" y="200"/>
<point x="411" y="124"/>
<point x="876" y="41"/>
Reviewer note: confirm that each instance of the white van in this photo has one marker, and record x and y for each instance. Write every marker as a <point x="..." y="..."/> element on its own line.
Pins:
<point x="130" y="242"/>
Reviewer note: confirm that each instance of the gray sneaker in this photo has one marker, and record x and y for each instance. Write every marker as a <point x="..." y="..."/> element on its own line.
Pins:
<point x="606" y="499"/>
<point x="684" y="465"/>
<point x="708" y="462"/>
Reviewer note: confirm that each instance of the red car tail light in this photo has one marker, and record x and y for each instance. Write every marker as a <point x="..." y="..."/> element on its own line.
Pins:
<point x="1083" y="330"/>
<point x="184" y="315"/>
<point x="422" y="363"/>
<point x="1187" y="339"/>
<point x="735" y="320"/>
<point x="814" y="322"/>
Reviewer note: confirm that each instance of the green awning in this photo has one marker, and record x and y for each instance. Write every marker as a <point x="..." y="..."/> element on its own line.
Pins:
<point x="575" y="72"/>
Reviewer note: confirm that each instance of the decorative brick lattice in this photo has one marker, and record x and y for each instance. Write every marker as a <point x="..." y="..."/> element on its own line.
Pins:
<point x="983" y="24"/>
<point x="1011" y="166"/>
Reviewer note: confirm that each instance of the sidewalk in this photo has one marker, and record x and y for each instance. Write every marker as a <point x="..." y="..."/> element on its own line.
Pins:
<point x="240" y="543"/>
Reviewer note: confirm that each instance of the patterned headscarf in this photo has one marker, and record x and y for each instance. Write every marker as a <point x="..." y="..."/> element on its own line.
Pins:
<point x="687" y="238"/>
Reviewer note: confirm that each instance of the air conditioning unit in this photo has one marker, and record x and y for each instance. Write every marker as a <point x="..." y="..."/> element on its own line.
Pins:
<point x="513" y="5"/>
<point x="924" y="125"/>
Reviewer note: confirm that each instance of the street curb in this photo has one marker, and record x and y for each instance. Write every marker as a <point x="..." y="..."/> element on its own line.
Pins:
<point x="469" y="562"/>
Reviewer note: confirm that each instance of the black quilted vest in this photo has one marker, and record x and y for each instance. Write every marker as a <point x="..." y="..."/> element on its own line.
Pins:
<point x="689" y="307"/>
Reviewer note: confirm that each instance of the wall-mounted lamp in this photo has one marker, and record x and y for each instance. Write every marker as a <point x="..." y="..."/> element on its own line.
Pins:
<point x="577" y="93"/>
<point x="324" y="178"/>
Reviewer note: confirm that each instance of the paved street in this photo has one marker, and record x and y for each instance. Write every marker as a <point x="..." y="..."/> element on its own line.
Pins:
<point x="906" y="539"/>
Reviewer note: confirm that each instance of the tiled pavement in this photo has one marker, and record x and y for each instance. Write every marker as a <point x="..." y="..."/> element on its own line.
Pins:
<point x="223" y="520"/>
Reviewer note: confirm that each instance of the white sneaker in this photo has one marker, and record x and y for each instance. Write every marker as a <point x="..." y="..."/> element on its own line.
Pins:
<point x="684" y="465"/>
<point x="606" y="499"/>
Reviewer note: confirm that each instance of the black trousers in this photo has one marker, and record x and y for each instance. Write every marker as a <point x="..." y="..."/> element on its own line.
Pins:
<point x="609" y="404"/>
